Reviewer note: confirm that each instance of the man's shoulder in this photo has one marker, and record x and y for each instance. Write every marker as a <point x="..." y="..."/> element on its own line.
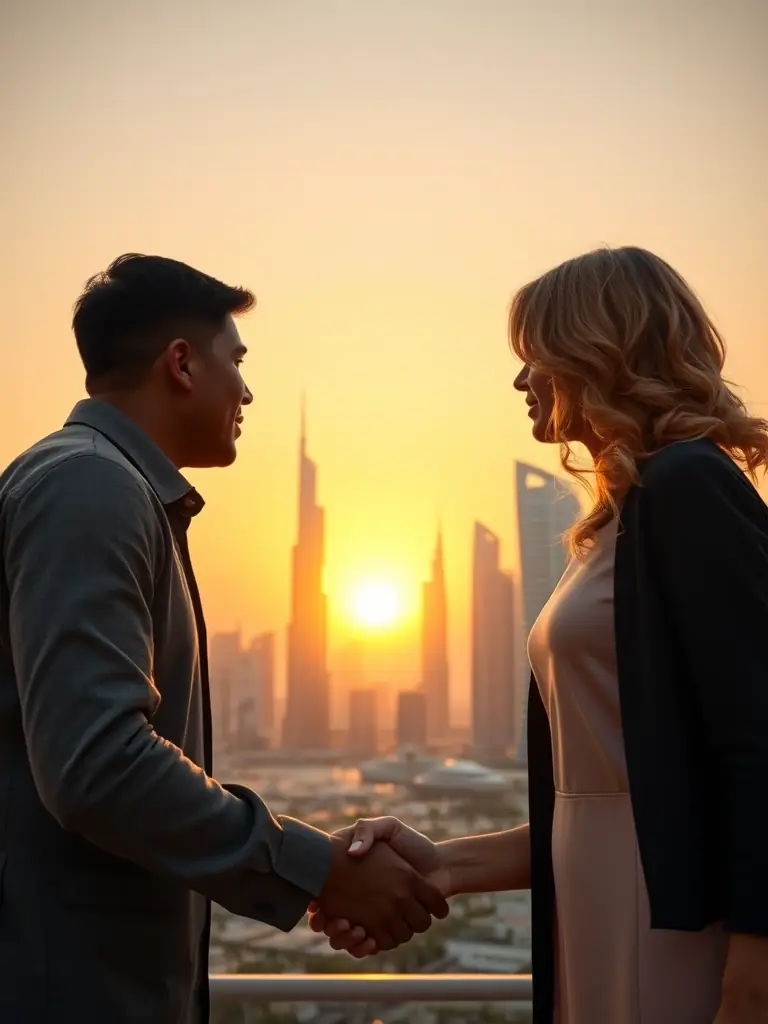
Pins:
<point x="75" y="455"/>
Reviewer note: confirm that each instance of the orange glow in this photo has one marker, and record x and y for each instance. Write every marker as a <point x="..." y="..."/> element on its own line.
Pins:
<point x="383" y="183"/>
<point x="376" y="604"/>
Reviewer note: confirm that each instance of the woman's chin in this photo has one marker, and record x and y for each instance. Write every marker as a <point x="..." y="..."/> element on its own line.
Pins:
<point x="540" y="432"/>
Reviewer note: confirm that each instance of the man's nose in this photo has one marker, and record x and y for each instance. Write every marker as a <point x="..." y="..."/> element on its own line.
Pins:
<point x="247" y="396"/>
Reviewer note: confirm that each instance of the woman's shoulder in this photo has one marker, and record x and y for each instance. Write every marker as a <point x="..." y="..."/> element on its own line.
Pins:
<point x="687" y="460"/>
<point x="689" y="473"/>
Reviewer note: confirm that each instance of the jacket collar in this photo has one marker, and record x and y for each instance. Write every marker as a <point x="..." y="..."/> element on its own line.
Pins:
<point x="161" y="474"/>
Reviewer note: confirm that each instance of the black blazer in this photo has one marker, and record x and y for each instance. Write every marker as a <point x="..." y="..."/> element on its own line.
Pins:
<point x="691" y="624"/>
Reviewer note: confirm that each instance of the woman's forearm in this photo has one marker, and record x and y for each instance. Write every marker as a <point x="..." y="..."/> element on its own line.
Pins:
<point x="490" y="863"/>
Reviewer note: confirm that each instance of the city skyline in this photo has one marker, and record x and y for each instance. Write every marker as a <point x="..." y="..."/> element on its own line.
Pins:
<point x="406" y="168"/>
<point x="357" y="695"/>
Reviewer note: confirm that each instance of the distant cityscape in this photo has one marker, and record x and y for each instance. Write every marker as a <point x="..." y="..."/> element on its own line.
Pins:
<point x="342" y="749"/>
<point x="503" y="609"/>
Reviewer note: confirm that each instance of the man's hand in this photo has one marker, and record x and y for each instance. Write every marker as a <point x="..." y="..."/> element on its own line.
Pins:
<point x="381" y="895"/>
<point x="420" y="852"/>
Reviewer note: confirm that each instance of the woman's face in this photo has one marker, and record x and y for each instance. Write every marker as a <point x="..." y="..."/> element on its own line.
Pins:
<point x="539" y="397"/>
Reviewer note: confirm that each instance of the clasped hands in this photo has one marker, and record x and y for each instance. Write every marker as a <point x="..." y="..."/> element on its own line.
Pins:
<point x="385" y="884"/>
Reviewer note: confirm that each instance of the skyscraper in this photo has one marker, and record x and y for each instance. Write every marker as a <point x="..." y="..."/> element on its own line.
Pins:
<point x="546" y="508"/>
<point x="348" y="672"/>
<point x="411" y="719"/>
<point x="242" y="690"/>
<point x="307" y="712"/>
<point x="224" y="658"/>
<point x="262" y="658"/>
<point x="494" y="718"/>
<point x="363" y="736"/>
<point x="434" y="649"/>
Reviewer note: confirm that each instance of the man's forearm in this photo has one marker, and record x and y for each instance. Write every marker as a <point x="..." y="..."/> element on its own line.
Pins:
<point x="147" y="803"/>
<point x="491" y="863"/>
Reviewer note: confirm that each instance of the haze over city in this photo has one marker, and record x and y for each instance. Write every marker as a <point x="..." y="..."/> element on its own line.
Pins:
<point x="383" y="176"/>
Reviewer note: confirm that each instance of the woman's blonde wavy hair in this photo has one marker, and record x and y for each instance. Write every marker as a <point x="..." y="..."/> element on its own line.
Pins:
<point x="632" y="356"/>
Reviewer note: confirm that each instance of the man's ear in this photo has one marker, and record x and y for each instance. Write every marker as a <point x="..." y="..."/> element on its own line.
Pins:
<point x="177" y="362"/>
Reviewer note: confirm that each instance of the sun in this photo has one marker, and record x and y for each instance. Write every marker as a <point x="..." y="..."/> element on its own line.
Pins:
<point x="376" y="604"/>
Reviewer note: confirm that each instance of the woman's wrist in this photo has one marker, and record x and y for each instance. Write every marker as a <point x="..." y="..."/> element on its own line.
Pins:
<point x="449" y="860"/>
<point x="490" y="863"/>
<point x="464" y="865"/>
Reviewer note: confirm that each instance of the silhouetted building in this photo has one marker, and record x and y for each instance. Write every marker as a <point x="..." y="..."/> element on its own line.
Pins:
<point x="434" y="649"/>
<point x="546" y="508"/>
<point x="262" y="656"/>
<point x="307" y="712"/>
<point x="412" y="719"/>
<point x="347" y="673"/>
<point x="242" y="690"/>
<point x="363" y="737"/>
<point x="224" y="659"/>
<point x="494" y="708"/>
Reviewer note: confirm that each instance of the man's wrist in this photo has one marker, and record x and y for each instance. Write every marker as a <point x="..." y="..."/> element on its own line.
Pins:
<point x="337" y="858"/>
<point x="305" y="856"/>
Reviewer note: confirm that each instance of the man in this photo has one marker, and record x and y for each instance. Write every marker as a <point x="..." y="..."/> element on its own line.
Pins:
<point x="113" y="835"/>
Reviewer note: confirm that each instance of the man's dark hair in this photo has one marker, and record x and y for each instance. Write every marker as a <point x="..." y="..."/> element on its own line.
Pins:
<point x="129" y="313"/>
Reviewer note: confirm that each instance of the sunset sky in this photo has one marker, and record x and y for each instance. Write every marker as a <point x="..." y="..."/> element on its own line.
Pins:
<point x="383" y="175"/>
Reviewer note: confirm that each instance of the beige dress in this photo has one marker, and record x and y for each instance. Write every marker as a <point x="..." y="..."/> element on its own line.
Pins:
<point x="611" y="968"/>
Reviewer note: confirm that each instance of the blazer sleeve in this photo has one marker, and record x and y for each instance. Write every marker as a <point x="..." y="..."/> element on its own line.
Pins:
<point x="81" y="550"/>
<point x="707" y="528"/>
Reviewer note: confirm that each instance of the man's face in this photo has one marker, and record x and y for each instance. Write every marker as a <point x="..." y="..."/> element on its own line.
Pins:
<point x="218" y="396"/>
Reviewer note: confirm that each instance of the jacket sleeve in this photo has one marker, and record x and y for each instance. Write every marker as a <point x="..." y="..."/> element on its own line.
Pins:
<point x="81" y="547"/>
<point x="708" y="533"/>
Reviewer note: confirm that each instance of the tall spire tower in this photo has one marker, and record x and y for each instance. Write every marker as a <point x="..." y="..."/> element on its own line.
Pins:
<point x="435" y="682"/>
<point x="307" y="713"/>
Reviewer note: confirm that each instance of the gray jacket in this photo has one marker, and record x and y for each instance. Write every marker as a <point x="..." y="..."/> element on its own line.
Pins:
<point x="113" y="835"/>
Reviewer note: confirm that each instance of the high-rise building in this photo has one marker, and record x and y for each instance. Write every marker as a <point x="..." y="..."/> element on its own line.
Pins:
<point x="546" y="508"/>
<point x="307" y="711"/>
<point x="363" y="736"/>
<point x="224" y="661"/>
<point x="262" y="657"/>
<point x="411" y="719"/>
<point x="242" y="690"/>
<point x="348" y="672"/>
<point x="494" y="708"/>
<point x="434" y="649"/>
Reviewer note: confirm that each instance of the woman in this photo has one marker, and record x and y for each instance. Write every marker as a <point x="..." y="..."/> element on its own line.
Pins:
<point x="647" y="849"/>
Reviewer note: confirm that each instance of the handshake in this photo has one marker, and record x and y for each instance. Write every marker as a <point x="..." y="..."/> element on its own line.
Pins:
<point x="386" y="883"/>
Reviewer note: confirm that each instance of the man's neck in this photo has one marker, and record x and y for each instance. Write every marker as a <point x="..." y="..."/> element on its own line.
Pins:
<point x="143" y="410"/>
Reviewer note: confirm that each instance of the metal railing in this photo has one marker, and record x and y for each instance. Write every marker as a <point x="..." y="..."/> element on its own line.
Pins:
<point x="371" y="988"/>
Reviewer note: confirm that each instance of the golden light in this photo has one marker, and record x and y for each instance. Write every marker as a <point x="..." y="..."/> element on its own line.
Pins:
<point x="376" y="604"/>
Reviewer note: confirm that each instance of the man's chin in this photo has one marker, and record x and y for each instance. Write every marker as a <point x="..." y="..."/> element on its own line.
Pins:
<point x="216" y="460"/>
<point x="227" y="457"/>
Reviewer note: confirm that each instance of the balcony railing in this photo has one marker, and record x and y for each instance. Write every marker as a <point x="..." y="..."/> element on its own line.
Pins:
<point x="371" y="988"/>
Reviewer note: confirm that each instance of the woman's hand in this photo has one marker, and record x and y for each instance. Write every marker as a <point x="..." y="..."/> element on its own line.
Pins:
<point x="419" y="851"/>
<point x="745" y="981"/>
